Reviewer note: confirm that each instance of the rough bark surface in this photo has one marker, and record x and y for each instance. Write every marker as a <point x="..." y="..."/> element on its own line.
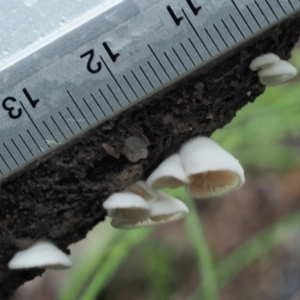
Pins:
<point x="60" y="199"/>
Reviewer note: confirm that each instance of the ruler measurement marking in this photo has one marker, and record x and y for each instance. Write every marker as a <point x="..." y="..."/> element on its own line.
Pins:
<point x="179" y="59"/>
<point x="232" y="26"/>
<point x="272" y="10"/>
<point x="10" y="154"/>
<point x="78" y="108"/>
<point x="138" y="82"/>
<point x="171" y="63"/>
<point x="79" y="126"/>
<point x="114" y="95"/>
<point x="51" y="133"/>
<point x="154" y="54"/>
<point x="262" y="12"/>
<point x="130" y="86"/>
<point x="94" y="98"/>
<point x="225" y="25"/>
<point x="153" y="70"/>
<point x="195" y="49"/>
<point x="239" y="29"/>
<point x="113" y="77"/>
<point x="34" y="124"/>
<point x="102" y="94"/>
<point x="90" y="109"/>
<point x="216" y="46"/>
<point x="224" y="41"/>
<point x="37" y="145"/>
<point x="146" y="77"/>
<point x="250" y="11"/>
<point x="66" y="122"/>
<point x="291" y="4"/>
<point x="18" y="150"/>
<point x="242" y="16"/>
<point x="281" y="7"/>
<point x="26" y="145"/>
<point x="58" y="127"/>
<point x="153" y="80"/>
<point x="187" y="53"/>
<point x="5" y="162"/>
<point x="194" y="29"/>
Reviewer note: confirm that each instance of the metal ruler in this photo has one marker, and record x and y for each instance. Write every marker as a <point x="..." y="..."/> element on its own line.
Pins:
<point x="66" y="66"/>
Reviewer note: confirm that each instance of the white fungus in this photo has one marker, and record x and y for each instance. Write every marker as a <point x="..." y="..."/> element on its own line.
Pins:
<point x="164" y="210"/>
<point x="41" y="255"/>
<point x="169" y="173"/>
<point x="277" y="73"/>
<point x="212" y="171"/>
<point x="126" y="206"/>
<point x="272" y="70"/>
<point x="167" y="209"/>
<point x="263" y="61"/>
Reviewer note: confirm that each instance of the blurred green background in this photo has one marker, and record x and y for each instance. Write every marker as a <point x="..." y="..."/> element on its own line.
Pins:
<point x="243" y="246"/>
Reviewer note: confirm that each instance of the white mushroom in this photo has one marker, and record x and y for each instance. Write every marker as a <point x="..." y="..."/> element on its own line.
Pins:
<point x="142" y="189"/>
<point x="169" y="173"/>
<point x="41" y="255"/>
<point x="263" y="61"/>
<point x="212" y="171"/>
<point x="277" y="73"/>
<point x="164" y="210"/>
<point x="126" y="206"/>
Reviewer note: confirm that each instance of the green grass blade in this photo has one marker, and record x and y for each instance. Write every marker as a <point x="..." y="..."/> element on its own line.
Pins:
<point x="195" y="233"/>
<point x="97" y="257"/>
<point x="253" y="249"/>
<point x="114" y="258"/>
<point x="86" y="268"/>
<point x="197" y="238"/>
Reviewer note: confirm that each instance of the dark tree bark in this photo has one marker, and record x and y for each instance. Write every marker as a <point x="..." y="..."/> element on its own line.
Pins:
<point x="60" y="198"/>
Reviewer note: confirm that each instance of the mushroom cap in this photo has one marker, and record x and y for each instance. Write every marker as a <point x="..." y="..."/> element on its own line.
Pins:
<point x="263" y="61"/>
<point x="167" y="208"/>
<point x="126" y="206"/>
<point x="212" y="171"/>
<point x="169" y="173"/>
<point x="41" y="255"/>
<point x="142" y="189"/>
<point x="164" y="210"/>
<point x="277" y="73"/>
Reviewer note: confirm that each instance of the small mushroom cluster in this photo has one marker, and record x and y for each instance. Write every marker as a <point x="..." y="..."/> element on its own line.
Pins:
<point x="272" y="70"/>
<point x="141" y="206"/>
<point x="202" y="166"/>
